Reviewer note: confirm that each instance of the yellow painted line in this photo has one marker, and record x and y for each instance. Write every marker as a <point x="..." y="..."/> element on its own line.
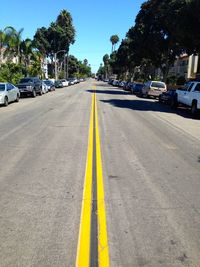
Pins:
<point x="83" y="250"/>
<point x="103" y="249"/>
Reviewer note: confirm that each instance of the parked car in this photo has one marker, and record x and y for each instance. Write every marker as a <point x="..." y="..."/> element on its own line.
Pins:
<point x="58" y="84"/>
<point x="8" y="93"/>
<point x="44" y="88"/>
<point x="50" y="85"/>
<point x="127" y="86"/>
<point x="189" y="96"/>
<point x="153" y="88"/>
<point x="115" y="83"/>
<point x="121" y="83"/>
<point x="167" y="97"/>
<point x="64" y="82"/>
<point x="136" y="88"/>
<point x="71" y="81"/>
<point x="30" y="86"/>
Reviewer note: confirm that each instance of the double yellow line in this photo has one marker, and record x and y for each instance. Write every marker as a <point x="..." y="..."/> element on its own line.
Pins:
<point x="84" y="244"/>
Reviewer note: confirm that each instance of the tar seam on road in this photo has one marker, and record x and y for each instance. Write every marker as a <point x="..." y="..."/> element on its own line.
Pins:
<point x="92" y="250"/>
<point x="94" y="219"/>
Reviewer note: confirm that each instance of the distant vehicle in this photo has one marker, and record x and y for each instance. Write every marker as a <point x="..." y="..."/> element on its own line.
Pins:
<point x="50" y="85"/>
<point x="121" y="83"/>
<point x="136" y="88"/>
<point x="189" y="96"/>
<point x="153" y="88"/>
<point x="127" y="86"/>
<point x="58" y="84"/>
<point x="71" y="81"/>
<point x="64" y="82"/>
<point x="167" y="97"/>
<point x="8" y="93"/>
<point x="30" y="86"/>
<point x="115" y="83"/>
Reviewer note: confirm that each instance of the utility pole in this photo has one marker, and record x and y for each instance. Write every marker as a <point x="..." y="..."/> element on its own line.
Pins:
<point x="56" y="71"/>
<point x="65" y="67"/>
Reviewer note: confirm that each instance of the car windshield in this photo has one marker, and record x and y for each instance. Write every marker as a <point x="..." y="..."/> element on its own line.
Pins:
<point x="186" y="86"/>
<point x="47" y="82"/>
<point x="139" y="85"/>
<point x="159" y="85"/>
<point x="25" y="80"/>
<point x="2" y="87"/>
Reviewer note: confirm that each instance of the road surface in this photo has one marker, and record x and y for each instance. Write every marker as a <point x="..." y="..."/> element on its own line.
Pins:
<point x="151" y="170"/>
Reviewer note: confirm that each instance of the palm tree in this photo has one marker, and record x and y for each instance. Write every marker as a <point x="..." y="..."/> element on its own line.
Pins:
<point x="26" y="50"/>
<point x="106" y="63"/>
<point x="2" y="44"/>
<point x="14" y="42"/>
<point x="114" y="40"/>
<point x="85" y="62"/>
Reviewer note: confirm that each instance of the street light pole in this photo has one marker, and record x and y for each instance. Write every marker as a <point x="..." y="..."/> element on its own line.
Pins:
<point x="64" y="67"/>
<point x="56" y="74"/>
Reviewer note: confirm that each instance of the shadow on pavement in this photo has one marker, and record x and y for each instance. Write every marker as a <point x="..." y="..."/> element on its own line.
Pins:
<point x="145" y="105"/>
<point x="109" y="92"/>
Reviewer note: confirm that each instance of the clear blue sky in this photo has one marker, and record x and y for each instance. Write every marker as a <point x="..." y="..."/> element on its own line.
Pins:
<point x="94" y="21"/>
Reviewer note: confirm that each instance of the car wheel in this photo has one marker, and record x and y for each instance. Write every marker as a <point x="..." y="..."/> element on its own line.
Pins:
<point x="6" y="101"/>
<point x="174" y="102"/>
<point x="194" y="108"/>
<point x="17" y="99"/>
<point x="34" y="93"/>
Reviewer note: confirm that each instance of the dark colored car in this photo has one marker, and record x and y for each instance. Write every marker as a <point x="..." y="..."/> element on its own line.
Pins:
<point x="167" y="97"/>
<point x="127" y="86"/>
<point x="136" y="88"/>
<point x="30" y="86"/>
<point x="58" y="84"/>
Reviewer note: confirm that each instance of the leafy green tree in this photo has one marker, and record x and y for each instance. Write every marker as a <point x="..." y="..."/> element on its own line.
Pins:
<point x="84" y="70"/>
<point x="11" y="72"/>
<point x="152" y="38"/>
<point x="41" y="41"/>
<point x="73" y="66"/>
<point x="114" y="40"/>
<point x="58" y="36"/>
<point x="101" y="71"/>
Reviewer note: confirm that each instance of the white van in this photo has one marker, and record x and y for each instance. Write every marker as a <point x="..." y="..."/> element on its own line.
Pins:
<point x="153" y="88"/>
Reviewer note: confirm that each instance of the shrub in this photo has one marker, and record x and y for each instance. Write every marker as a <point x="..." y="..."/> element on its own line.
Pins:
<point x="11" y="72"/>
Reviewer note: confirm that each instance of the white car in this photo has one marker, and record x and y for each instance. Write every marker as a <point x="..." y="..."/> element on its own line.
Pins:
<point x="64" y="82"/>
<point x="8" y="93"/>
<point x="44" y="88"/>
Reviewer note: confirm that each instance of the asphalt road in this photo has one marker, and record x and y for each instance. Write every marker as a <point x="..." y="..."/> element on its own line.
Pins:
<point x="151" y="167"/>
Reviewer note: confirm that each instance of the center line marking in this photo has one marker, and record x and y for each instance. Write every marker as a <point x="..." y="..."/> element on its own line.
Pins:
<point x="93" y="248"/>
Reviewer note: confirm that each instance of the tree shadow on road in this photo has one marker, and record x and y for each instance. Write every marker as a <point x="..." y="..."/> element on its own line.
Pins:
<point x="146" y="105"/>
<point x="109" y="91"/>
